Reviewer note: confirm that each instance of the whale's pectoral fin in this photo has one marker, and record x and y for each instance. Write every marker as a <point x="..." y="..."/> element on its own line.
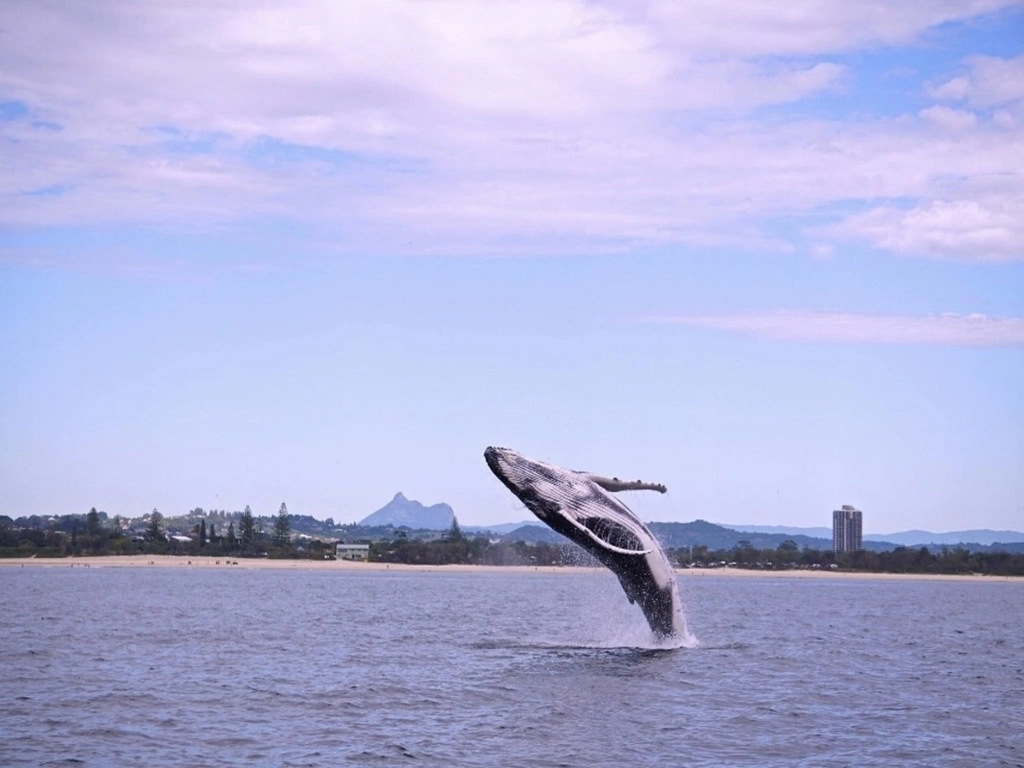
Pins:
<point x="609" y="534"/>
<point x="613" y="484"/>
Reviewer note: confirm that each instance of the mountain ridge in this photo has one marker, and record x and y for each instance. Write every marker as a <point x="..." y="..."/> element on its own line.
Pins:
<point x="713" y="536"/>
<point x="410" y="513"/>
<point x="911" y="538"/>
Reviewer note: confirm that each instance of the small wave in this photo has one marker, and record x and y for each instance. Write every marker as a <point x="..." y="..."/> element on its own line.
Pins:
<point x="673" y="644"/>
<point x="724" y="647"/>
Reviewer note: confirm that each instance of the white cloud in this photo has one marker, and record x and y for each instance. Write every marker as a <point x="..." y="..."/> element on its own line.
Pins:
<point x="951" y="90"/>
<point x="988" y="229"/>
<point x="950" y="119"/>
<point x="801" y="27"/>
<point x="497" y="127"/>
<point x="990" y="82"/>
<point x="850" y="327"/>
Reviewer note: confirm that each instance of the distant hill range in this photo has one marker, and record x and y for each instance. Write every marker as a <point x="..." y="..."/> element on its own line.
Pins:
<point x="502" y="529"/>
<point x="821" y="532"/>
<point x="702" y="533"/>
<point x="535" y="533"/>
<point x="915" y="538"/>
<point x="712" y="536"/>
<point x="401" y="511"/>
<point x="422" y="522"/>
<point x="927" y="538"/>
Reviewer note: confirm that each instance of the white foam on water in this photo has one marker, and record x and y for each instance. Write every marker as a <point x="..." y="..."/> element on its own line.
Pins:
<point x="598" y="615"/>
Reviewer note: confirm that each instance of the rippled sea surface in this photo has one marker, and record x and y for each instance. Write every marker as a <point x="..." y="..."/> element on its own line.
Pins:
<point x="231" y="667"/>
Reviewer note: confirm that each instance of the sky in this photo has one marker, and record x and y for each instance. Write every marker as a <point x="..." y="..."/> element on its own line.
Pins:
<point x="770" y="255"/>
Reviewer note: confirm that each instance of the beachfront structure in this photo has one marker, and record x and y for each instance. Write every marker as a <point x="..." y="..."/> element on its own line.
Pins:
<point x="847" y="529"/>
<point x="352" y="551"/>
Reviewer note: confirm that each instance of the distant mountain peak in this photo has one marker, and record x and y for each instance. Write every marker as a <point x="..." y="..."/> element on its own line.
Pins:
<point x="401" y="511"/>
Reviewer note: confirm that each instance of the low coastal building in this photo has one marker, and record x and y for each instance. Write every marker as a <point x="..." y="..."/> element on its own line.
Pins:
<point x="352" y="551"/>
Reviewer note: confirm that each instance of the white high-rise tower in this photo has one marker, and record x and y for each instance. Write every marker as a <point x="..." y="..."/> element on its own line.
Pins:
<point x="847" y="529"/>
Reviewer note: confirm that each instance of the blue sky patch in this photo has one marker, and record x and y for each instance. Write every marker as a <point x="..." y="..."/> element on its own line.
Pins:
<point x="12" y="110"/>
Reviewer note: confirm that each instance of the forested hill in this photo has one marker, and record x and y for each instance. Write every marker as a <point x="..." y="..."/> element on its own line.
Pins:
<point x="703" y="533"/>
<point x="671" y="535"/>
<point x="696" y="534"/>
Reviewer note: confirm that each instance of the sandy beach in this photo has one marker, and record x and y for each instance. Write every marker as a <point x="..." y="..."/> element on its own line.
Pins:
<point x="176" y="561"/>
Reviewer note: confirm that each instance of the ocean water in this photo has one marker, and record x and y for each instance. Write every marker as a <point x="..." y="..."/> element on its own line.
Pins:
<point x="236" y="667"/>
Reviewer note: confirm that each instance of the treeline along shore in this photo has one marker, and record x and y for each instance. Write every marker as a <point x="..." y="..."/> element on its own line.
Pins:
<point x="94" y="535"/>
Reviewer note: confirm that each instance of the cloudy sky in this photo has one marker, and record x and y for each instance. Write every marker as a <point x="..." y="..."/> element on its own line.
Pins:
<point x="322" y="252"/>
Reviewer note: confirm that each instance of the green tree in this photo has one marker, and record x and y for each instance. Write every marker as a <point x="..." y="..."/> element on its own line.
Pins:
<point x="744" y="553"/>
<point x="231" y="534"/>
<point x="92" y="523"/>
<point x="282" y="526"/>
<point x="155" y="530"/>
<point x="788" y="552"/>
<point x="456" y="547"/>
<point x="247" y="527"/>
<point x="202" y="533"/>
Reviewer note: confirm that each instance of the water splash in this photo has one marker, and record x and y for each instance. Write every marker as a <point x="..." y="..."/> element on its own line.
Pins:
<point x="601" y="617"/>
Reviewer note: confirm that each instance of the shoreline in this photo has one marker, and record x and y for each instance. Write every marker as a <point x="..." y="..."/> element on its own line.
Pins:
<point x="184" y="561"/>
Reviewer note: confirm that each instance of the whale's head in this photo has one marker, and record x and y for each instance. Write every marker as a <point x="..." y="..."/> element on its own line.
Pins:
<point x="533" y="482"/>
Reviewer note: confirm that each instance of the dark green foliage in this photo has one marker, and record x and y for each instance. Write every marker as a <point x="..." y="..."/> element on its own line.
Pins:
<point x="92" y="523"/>
<point x="247" y="528"/>
<point x="155" y="530"/>
<point x="718" y="537"/>
<point x="32" y="542"/>
<point x="85" y="534"/>
<point x="282" y="527"/>
<point x="949" y="560"/>
<point x="476" y="551"/>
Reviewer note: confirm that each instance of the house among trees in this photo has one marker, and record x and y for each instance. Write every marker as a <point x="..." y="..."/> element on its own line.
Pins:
<point x="352" y="551"/>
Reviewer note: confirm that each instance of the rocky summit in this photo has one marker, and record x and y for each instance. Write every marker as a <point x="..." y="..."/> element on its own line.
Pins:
<point x="411" y="513"/>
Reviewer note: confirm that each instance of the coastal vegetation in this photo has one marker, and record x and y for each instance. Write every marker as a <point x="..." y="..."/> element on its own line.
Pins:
<point x="197" y="533"/>
<point x="789" y="556"/>
<point x="216" y="534"/>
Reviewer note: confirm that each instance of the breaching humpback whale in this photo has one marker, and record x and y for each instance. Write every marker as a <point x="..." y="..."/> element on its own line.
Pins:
<point x="578" y="505"/>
